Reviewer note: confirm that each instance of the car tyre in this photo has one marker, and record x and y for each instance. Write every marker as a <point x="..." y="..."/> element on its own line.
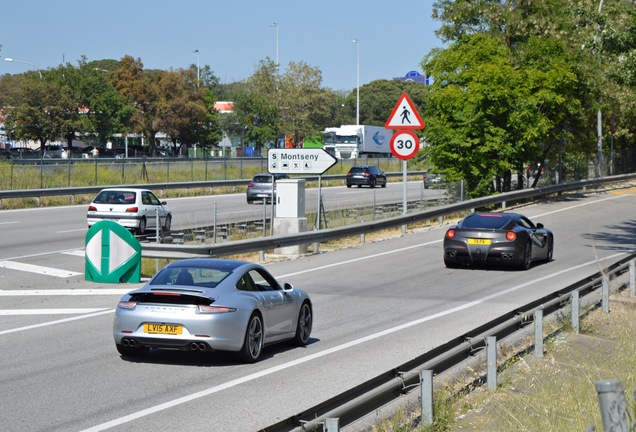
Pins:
<point x="127" y="351"/>
<point x="384" y="183"/>
<point x="303" y="327"/>
<point x="526" y="260"/>
<point x="550" y="254"/>
<point x="141" y="229"/>
<point x="168" y="223"/>
<point x="253" y="342"/>
<point x="372" y="183"/>
<point x="349" y="186"/>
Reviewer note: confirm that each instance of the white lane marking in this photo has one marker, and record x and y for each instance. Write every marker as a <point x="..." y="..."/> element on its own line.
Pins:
<point x="9" y="222"/>
<point x="65" y="320"/>
<point x="68" y="311"/>
<point x="185" y="399"/>
<point x="69" y="231"/>
<point x="76" y="252"/>
<point x="358" y="259"/>
<point x="37" y="269"/>
<point x="66" y="292"/>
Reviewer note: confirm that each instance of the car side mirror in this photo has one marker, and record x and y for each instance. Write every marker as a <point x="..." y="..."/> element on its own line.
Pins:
<point x="288" y="287"/>
<point x="539" y="225"/>
<point x="164" y="203"/>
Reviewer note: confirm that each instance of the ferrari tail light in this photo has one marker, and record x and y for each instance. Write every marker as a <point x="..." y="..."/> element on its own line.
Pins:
<point x="215" y="309"/>
<point x="450" y="233"/>
<point x="127" y="304"/>
<point x="92" y="208"/>
<point x="511" y="236"/>
<point x="132" y="209"/>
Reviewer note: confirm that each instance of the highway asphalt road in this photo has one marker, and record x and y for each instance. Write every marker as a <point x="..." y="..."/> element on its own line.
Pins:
<point x="376" y="306"/>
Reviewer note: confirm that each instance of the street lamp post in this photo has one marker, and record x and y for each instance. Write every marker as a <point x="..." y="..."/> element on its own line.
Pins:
<point x="357" y="42"/>
<point x="599" y="117"/>
<point x="25" y="62"/>
<point x="198" y="68"/>
<point x="275" y="25"/>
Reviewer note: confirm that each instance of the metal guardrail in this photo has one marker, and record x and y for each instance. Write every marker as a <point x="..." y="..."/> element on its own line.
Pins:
<point x="391" y="385"/>
<point x="160" y="250"/>
<point x="72" y="191"/>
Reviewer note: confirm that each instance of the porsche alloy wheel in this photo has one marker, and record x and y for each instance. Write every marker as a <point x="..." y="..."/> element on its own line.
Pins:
<point x="253" y="343"/>
<point x="303" y="328"/>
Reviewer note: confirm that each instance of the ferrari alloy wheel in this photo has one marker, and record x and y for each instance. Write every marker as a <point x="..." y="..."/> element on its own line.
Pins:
<point x="526" y="260"/>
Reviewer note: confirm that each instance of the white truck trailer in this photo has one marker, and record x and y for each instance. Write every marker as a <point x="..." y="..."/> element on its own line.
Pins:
<point x="355" y="141"/>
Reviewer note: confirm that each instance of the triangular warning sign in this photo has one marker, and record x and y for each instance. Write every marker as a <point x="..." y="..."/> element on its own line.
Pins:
<point x="404" y="115"/>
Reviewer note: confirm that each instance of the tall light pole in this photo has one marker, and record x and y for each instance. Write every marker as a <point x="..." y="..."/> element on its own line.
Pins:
<point x="196" y="51"/>
<point x="599" y="117"/>
<point x="25" y="62"/>
<point x="357" y="42"/>
<point x="275" y="25"/>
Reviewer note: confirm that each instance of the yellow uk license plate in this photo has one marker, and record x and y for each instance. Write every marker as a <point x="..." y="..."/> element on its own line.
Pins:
<point x="479" y="241"/>
<point x="163" y="329"/>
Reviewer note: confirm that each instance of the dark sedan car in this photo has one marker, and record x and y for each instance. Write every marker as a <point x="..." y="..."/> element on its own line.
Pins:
<point x="368" y="175"/>
<point x="497" y="238"/>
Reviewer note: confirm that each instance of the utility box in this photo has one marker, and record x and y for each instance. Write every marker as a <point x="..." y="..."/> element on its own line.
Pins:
<point x="290" y="198"/>
<point x="290" y="213"/>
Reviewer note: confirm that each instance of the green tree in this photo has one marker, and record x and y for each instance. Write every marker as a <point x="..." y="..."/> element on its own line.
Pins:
<point x="32" y="108"/>
<point x="141" y="90"/>
<point x="306" y="108"/>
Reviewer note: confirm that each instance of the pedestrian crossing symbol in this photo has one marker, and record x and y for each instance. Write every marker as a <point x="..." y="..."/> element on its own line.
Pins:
<point x="404" y="115"/>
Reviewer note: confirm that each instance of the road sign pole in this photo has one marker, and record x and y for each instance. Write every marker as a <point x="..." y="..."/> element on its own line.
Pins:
<point x="319" y="202"/>
<point x="404" y="193"/>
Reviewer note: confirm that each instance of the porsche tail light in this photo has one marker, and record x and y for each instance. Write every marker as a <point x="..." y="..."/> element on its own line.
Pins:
<point x="511" y="236"/>
<point x="92" y="208"/>
<point x="132" y="209"/>
<point x="127" y="304"/>
<point x="215" y="309"/>
<point x="450" y="233"/>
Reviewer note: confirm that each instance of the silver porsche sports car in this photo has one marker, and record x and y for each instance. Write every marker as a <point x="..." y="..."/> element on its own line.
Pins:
<point x="208" y="304"/>
<point x="497" y="238"/>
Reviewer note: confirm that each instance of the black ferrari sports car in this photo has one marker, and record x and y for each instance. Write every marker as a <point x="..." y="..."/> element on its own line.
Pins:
<point x="497" y="238"/>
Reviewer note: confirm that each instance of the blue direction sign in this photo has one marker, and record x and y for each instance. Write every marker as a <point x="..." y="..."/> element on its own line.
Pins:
<point x="299" y="161"/>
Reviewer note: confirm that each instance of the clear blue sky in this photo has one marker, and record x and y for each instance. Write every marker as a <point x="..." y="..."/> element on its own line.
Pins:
<point x="231" y="36"/>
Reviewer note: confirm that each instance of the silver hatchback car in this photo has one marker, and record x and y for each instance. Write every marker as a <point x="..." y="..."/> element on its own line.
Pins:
<point x="135" y="209"/>
<point x="260" y="188"/>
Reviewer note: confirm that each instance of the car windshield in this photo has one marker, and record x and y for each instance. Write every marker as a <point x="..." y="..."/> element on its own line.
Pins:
<point x="115" y="197"/>
<point x="191" y="276"/>
<point x="488" y="221"/>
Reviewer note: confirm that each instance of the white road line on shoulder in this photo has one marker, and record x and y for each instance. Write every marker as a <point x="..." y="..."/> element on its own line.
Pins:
<point x="37" y="269"/>
<point x="9" y="222"/>
<point x="216" y="389"/>
<point x="70" y="231"/>
<point x="77" y="252"/>
<point x="66" y="292"/>
<point x="67" y="311"/>
<point x="65" y="320"/>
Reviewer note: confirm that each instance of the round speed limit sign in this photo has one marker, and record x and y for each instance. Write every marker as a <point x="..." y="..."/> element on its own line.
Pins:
<point x="405" y="144"/>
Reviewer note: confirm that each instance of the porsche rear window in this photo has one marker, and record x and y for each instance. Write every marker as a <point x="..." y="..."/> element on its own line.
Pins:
<point x="485" y="221"/>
